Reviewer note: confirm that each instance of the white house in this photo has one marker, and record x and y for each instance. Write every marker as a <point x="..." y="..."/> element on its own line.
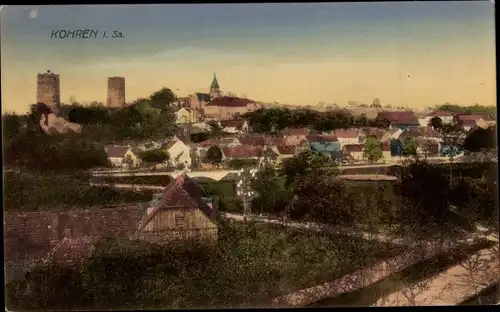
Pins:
<point x="348" y="136"/>
<point x="179" y="152"/>
<point x="445" y="116"/>
<point x="234" y="126"/>
<point x="150" y="145"/>
<point x="121" y="156"/>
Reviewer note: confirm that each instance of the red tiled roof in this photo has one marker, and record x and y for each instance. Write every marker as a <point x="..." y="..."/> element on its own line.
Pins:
<point x="398" y="117"/>
<point x="469" y="122"/>
<point x="209" y="143"/>
<point x="116" y="151"/>
<point x="273" y="141"/>
<point x="184" y="193"/>
<point x="469" y="117"/>
<point x="321" y="138"/>
<point x="227" y="101"/>
<point x="253" y="140"/>
<point x="244" y="151"/>
<point x="286" y="149"/>
<point x="350" y="148"/>
<point x="440" y="114"/>
<point x="428" y="132"/>
<point x="346" y="133"/>
<point x="296" y="131"/>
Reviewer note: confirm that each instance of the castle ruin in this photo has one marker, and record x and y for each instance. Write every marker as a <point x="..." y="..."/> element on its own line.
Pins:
<point x="116" y="92"/>
<point x="48" y="90"/>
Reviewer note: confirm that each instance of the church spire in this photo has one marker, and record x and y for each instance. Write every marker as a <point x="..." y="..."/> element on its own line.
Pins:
<point x="215" y="84"/>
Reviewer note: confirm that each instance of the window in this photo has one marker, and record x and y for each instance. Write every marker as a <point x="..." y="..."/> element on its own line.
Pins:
<point x="179" y="222"/>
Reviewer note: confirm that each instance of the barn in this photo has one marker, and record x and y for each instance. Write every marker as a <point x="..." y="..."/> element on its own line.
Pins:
<point x="185" y="212"/>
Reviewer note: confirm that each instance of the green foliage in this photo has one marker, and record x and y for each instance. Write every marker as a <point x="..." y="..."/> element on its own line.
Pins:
<point x="36" y="150"/>
<point x="275" y="119"/>
<point x="410" y="146"/>
<point x="296" y="166"/>
<point x="251" y="264"/>
<point x="12" y="125"/>
<point x="373" y="149"/>
<point x="154" y="156"/>
<point x="273" y="196"/>
<point x="200" y="137"/>
<point x="214" y="155"/>
<point x="87" y="115"/>
<point x="44" y="190"/>
<point x="472" y="109"/>
<point x="436" y="123"/>
<point x="238" y="163"/>
<point x="426" y="193"/>
<point x="162" y="99"/>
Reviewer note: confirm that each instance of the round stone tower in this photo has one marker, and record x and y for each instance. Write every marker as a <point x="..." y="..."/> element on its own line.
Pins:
<point x="48" y="90"/>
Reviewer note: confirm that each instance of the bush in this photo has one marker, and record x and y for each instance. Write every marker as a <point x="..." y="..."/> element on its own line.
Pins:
<point x="239" y="163"/>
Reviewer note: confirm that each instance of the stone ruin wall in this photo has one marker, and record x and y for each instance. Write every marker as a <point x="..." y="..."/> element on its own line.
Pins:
<point x="48" y="90"/>
<point x="116" y="92"/>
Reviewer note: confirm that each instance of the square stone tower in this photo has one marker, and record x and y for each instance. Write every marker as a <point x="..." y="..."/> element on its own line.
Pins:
<point x="116" y="92"/>
<point x="48" y="90"/>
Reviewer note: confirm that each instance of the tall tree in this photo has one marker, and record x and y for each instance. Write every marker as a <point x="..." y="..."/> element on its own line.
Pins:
<point x="214" y="154"/>
<point x="373" y="149"/>
<point x="162" y="99"/>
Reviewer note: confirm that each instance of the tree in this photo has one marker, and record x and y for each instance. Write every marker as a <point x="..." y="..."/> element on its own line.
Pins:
<point x="373" y="149"/>
<point x="297" y="166"/>
<point x="162" y="99"/>
<point x="12" y="125"/>
<point x="128" y="161"/>
<point x="480" y="139"/>
<point x="154" y="156"/>
<point x="214" y="155"/>
<point x="436" y="123"/>
<point x="320" y="197"/>
<point x="376" y="103"/>
<point x="199" y="136"/>
<point x="410" y="147"/>
<point x="273" y="195"/>
<point x="426" y="193"/>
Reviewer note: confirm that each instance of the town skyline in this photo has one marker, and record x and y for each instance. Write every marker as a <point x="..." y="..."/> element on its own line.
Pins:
<point x="406" y="54"/>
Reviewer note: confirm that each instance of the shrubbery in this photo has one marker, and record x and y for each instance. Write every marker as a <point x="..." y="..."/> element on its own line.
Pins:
<point x="250" y="265"/>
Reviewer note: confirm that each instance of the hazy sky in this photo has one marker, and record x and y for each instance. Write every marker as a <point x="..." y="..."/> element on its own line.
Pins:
<point x="410" y="53"/>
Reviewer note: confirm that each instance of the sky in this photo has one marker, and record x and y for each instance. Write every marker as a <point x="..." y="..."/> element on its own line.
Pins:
<point x="414" y="54"/>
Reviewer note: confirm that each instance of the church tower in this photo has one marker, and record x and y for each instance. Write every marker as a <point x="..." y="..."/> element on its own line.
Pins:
<point x="214" y="88"/>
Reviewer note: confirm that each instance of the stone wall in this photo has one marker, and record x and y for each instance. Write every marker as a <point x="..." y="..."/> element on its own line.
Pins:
<point x="30" y="236"/>
<point x="116" y="92"/>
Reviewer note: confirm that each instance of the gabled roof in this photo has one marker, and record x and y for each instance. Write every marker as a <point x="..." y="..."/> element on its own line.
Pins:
<point x="203" y="97"/>
<point x="351" y="148"/>
<point x="236" y="123"/>
<point x="440" y="114"/>
<point x="254" y="140"/>
<point x="286" y="149"/>
<point x="321" y="138"/>
<point x="183" y="193"/>
<point x="469" y="117"/>
<point x="227" y="101"/>
<point x="116" y="151"/>
<point x="346" y="133"/>
<point x="419" y="132"/>
<point x="243" y="151"/>
<point x="209" y="143"/>
<point x="273" y="141"/>
<point x="386" y="146"/>
<point x="296" y="131"/>
<point x="399" y="118"/>
<point x="168" y="144"/>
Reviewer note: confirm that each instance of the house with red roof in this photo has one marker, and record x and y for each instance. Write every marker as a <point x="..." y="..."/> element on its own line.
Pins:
<point x="226" y="107"/>
<point x="185" y="212"/>
<point x="354" y="151"/>
<point x="398" y="119"/>
<point x="470" y="121"/>
<point x="242" y="152"/>
<point x="121" y="156"/>
<point x="445" y="116"/>
<point x="234" y="125"/>
<point x="348" y="136"/>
